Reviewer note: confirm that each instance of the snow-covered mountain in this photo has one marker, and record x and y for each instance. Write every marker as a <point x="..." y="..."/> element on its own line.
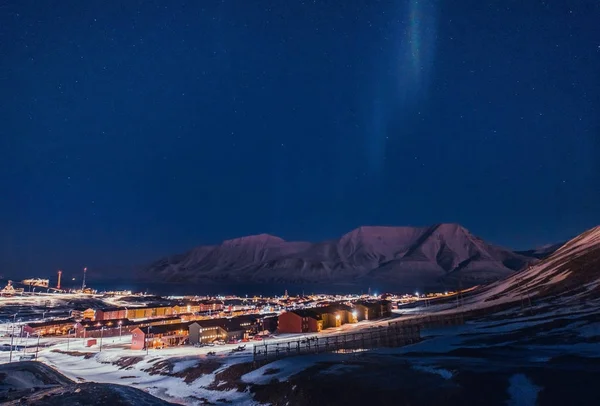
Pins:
<point x="541" y="252"/>
<point x="571" y="274"/>
<point x="411" y="256"/>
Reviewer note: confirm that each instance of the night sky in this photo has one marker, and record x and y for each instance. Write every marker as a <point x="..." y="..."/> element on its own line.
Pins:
<point x="130" y="130"/>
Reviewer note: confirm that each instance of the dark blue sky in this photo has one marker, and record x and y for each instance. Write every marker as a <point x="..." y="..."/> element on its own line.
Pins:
<point x="130" y="130"/>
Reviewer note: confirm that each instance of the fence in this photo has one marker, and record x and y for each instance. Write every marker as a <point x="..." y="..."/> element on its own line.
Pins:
<point x="376" y="337"/>
<point x="429" y="321"/>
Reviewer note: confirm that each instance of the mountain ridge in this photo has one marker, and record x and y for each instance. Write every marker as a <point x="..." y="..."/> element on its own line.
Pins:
<point x="412" y="256"/>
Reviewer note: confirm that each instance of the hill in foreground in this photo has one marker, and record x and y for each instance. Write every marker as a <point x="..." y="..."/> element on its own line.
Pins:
<point x="34" y="383"/>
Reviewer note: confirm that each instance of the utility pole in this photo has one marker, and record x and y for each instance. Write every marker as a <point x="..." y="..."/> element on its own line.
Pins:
<point x="12" y="337"/>
<point x="26" y="342"/>
<point x="101" y="336"/>
<point x="146" y="339"/>
<point x="37" y="348"/>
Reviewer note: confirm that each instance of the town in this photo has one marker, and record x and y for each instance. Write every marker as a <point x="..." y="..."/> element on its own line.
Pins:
<point x="154" y="322"/>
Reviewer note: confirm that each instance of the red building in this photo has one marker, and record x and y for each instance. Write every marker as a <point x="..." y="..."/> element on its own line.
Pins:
<point x="299" y="321"/>
<point x="166" y="335"/>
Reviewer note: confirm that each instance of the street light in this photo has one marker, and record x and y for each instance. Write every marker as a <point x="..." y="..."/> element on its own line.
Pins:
<point x="101" y="335"/>
<point x="26" y="341"/>
<point x="37" y="348"/>
<point x="146" y="339"/>
<point x="120" y="329"/>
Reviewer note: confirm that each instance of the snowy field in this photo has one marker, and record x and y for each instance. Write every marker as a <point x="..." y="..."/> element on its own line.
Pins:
<point x="505" y="346"/>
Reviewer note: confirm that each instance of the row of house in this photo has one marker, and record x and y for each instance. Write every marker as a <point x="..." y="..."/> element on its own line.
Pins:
<point x="116" y="313"/>
<point x="316" y="319"/>
<point x="88" y="328"/>
<point x="201" y="331"/>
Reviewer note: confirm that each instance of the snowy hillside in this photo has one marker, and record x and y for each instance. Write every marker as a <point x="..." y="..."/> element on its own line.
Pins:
<point x="571" y="273"/>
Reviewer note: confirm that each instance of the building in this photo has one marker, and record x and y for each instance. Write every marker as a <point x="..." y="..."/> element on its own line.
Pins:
<point x="53" y="327"/>
<point x="36" y="282"/>
<point x="226" y="329"/>
<point x="113" y="328"/>
<point x="373" y="309"/>
<point x="203" y="306"/>
<point x="114" y="313"/>
<point x="149" y="312"/>
<point x="166" y="335"/>
<point x="316" y="319"/>
<point x="201" y="333"/>
<point x="335" y="315"/>
<point x="269" y="323"/>
<point x="110" y="313"/>
<point x="300" y="321"/>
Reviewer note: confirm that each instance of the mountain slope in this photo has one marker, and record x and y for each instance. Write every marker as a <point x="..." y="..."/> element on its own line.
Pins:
<point x="541" y="252"/>
<point x="413" y="256"/>
<point x="570" y="274"/>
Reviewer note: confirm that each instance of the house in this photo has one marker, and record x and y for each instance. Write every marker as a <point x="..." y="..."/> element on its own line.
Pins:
<point x="316" y="319"/>
<point x="165" y="335"/>
<point x="269" y="323"/>
<point x="110" y="313"/>
<point x="373" y="309"/>
<point x="89" y="314"/>
<point x="226" y="329"/>
<point x="115" y="313"/>
<point x="299" y="321"/>
<point x="104" y="328"/>
<point x="52" y="327"/>
<point x="203" y="333"/>
<point x="334" y="315"/>
<point x="203" y="306"/>
<point x="149" y="312"/>
<point x="113" y="328"/>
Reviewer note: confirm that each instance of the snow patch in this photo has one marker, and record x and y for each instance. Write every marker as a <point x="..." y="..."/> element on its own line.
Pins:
<point x="522" y="391"/>
<point x="183" y="365"/>
<point x="444" y="373"/>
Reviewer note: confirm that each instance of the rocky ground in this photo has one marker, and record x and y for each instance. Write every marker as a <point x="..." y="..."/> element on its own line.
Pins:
<point x="33" y="383"/>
